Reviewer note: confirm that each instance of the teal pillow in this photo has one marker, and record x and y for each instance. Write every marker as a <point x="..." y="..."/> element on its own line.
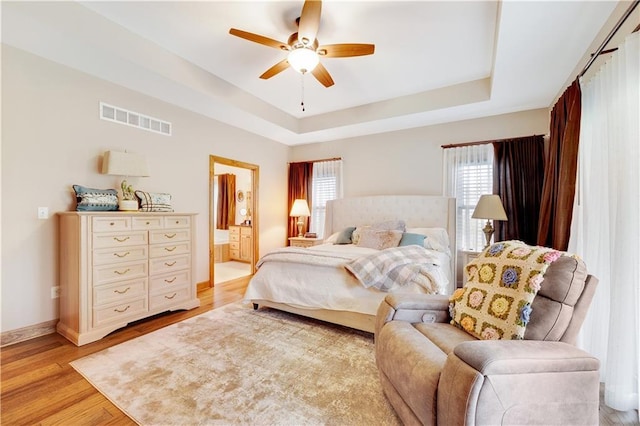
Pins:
<point x="344" y="237"/>
<point x="90" y="199"/>
<point x="409" y="239"/>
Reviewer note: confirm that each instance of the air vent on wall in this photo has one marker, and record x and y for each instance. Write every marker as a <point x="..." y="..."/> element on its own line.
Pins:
<point x="134" y="119"/>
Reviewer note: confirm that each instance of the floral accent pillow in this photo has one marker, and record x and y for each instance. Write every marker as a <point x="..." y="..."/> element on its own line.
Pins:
<point x="379" y="239"/>
<point x="502" y="282"/>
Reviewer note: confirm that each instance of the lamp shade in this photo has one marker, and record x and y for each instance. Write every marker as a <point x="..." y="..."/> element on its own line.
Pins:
<point x="489" y="207"/>
<point x="124" y="164"/>
<point x="300" y="208"/>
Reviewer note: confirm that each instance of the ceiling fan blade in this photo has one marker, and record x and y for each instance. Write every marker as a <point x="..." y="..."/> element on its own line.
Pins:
<point x="345" y="50"/>
<point x="277" y="68"/>
<point x="259" y="39"/>
<point x="322" y="75"/>
<point x="309" y="21"/>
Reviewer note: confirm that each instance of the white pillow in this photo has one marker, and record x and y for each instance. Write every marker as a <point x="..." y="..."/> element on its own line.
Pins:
<point x="437" y="238"/>
<point x="333" y="238"/>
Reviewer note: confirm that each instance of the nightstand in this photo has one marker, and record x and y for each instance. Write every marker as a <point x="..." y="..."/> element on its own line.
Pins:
<point x="467" y="256"/>
<point x="304" y="242"/>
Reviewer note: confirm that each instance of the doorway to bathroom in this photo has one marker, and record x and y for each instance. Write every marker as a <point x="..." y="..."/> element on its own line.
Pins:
<point x="233" y="224"/>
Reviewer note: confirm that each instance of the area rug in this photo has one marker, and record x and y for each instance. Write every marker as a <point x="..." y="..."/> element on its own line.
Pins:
<point x="234" y="365"/>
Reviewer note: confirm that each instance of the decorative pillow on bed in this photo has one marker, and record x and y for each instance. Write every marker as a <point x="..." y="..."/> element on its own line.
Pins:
<point x="409" y="239"/>
<point x="344" y="236"/>
<point x="389" y="225"/>
<point x="154" y="201"/>
<point x="503" y="280"/>
<point x="437" y="238"/>
<point x="89" y="199"/>
<point x="379" y="239"/>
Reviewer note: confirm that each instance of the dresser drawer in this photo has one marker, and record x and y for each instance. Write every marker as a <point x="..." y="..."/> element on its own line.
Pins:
<point x="163" y="283"/>
<point x="169" y="264"/>
<point x="147" y="222"/>
<point x="177" y="221"/>
<point x="122" y="239"/>
<point x="120" y="312"/>
<point x="234" y="237"/>
<point x="119" y="292"/>
<point x="169" y="298"/>
<point x="234" y="253"/>
<point x="122" y="271"/>
<point x="169" y="236"/>
<point x="124" y="254"/>
<point x="111" y="224"/>
<point x="161" y="250"/>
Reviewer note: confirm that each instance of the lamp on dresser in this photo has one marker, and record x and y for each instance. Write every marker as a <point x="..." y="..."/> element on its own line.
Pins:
<point x="300" y="209"/>
<point x="489" y="207"/>
<point x="125" y="164"/>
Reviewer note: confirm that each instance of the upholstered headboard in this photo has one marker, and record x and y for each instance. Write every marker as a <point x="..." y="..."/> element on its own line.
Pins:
<point x="418" y="211"/>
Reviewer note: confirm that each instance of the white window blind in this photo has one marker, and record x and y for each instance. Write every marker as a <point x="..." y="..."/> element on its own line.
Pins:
<point x="468" y="175"/>
<point x="326" y="185"/>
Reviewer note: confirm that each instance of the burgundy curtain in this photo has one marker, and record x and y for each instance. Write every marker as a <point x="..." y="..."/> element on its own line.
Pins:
<point x="518" y="173"/>
<point x="556" y="206"/>
<point x="226" y="214"/>
<point x="300" y="180"/>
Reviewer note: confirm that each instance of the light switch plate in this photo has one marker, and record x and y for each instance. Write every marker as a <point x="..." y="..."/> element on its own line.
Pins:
<point x="43" y="212"/>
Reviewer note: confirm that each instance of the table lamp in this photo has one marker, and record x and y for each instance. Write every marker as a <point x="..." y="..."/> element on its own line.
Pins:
<point x="489" y="207"/>
<point x="300" y="209"/>
<point x="125" y="164"/>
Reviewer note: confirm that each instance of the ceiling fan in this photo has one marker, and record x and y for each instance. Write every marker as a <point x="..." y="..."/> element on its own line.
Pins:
<point x="303" y="47"/>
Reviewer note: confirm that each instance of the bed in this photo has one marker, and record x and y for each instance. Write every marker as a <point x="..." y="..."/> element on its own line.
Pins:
<point x="323" y="290"/>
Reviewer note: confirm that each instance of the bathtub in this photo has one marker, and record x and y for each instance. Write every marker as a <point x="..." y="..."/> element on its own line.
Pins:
<point x="221" y="245"/>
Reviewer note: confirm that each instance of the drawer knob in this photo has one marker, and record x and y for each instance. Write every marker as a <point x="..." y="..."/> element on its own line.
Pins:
<point x="170" y="248"/>
<point x="169" y="236"/>
<point x="170" y="297"/>
<point x="177" y="222"/>
<point x="121" y="310"/>
<point x="147" y="223"/>
<point x="170" y="264"/>
<point x="121" y="255"/>
<point x="123" y="272"/>
<point x="170" y="281"/>
<point x="123" y="291"/>
<point x="111" y="224"/>
<point x="121" y="240"/>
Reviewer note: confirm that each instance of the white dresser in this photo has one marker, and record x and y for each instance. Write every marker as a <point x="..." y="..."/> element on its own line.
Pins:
<point x="118" y="267"/>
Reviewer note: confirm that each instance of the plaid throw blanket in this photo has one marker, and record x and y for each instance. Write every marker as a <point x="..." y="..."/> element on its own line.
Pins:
<point x="396" y="266"/>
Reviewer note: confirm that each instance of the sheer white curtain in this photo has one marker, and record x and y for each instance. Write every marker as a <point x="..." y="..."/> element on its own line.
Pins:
<point x="326" y="185"/>
<point x="606" y="221"/>
<point x="468" y="173"/>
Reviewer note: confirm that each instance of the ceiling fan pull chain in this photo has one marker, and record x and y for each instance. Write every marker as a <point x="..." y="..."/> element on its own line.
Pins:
<point x="302" y="91"/>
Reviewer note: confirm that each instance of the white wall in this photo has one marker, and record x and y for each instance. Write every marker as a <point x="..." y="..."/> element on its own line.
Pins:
<point x="52" y="138"/>
<point x="410" y="161"/>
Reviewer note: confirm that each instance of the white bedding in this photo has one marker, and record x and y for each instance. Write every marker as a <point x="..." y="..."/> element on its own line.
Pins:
<point x="312" y="286"/>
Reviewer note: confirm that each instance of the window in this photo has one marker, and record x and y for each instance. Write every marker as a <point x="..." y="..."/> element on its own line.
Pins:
<point x="468" y="175"/>
<point x="326" y="185"/>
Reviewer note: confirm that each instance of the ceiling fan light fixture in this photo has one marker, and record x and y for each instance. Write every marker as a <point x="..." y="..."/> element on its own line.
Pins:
<point x="303" y="59"/>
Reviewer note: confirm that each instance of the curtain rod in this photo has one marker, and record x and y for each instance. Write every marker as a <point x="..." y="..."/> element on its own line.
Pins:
<point x="318" y="161"/>
<point x="458" y="145"/>
<point x="615" y="29"/>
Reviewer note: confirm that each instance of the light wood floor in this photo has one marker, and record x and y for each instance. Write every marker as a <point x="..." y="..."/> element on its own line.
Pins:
<point x="39" y="387"/>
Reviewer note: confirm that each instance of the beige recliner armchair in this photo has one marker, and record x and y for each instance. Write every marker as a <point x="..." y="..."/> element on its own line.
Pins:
<point x="435" y="373"/>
